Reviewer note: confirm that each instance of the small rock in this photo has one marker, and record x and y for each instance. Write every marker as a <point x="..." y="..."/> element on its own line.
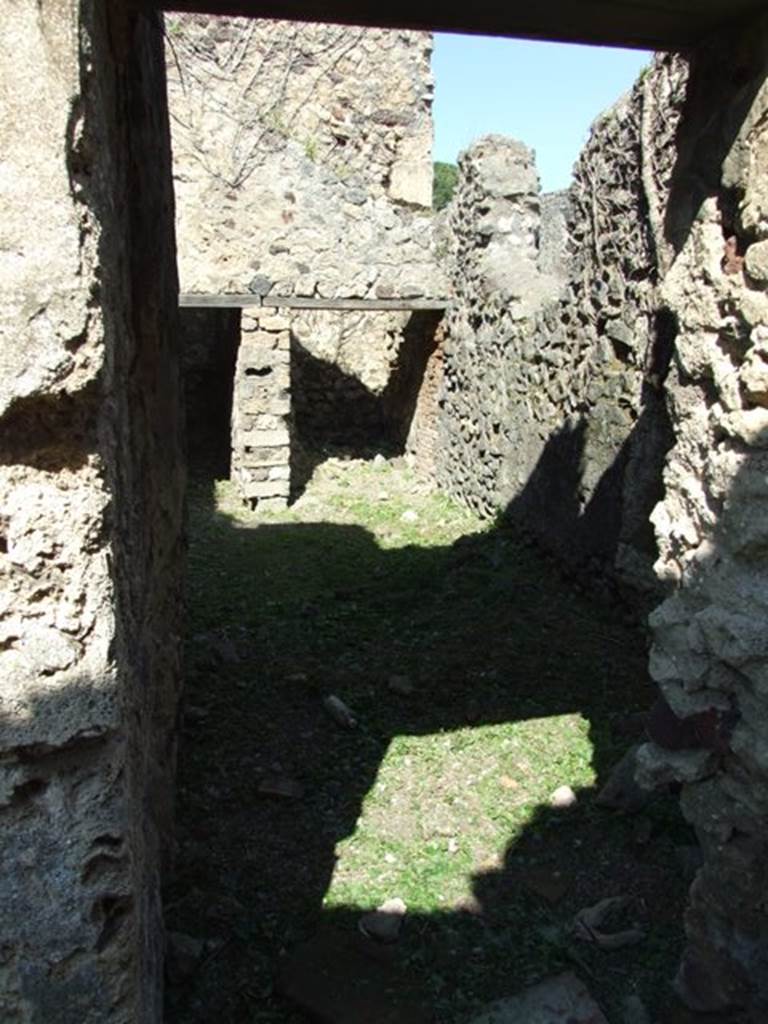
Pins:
<point x="589" y="923"/>
<point x="282" y="786"/>
<point x="339" y="711"/>
<point x="562" y="798"/>
<point x="469" y="905"/>
<point x="622" y="792"/>
<point x="385" y="923"/>
<point x="401" y="685"/>
<point x="379" y="462"/>
<point x="409" y="516"/>
<point x="553" y="1001"/>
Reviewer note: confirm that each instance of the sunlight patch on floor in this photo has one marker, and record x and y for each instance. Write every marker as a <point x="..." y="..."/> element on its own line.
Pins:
<point x="446" y="808"/>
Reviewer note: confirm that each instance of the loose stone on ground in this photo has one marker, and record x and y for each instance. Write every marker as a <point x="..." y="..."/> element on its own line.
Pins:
<point x="559" y="1000"/>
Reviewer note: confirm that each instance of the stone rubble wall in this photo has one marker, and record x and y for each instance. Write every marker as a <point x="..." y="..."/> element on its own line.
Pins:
<point x="90" y="512"/>
<point x="553" y="233"/>
<point x="553" y="398"/>
<point x="422" y="445"/>
<point x="302" y="158"/>
<point x="344" y="392"/>
<point x="637" y="391"/>
<point x="362" y="345"/>
<point x="302" y="165"/>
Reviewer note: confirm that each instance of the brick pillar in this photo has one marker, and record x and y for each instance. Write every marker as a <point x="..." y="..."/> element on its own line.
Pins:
<point x="261" y="412"/>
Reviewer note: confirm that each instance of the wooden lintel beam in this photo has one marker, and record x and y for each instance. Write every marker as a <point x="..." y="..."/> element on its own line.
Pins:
<point x="245" y="301"/>
<point x="646" y="24"/>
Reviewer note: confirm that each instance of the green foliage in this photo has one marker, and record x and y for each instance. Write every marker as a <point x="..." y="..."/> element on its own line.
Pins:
<point x="443" y="184"/>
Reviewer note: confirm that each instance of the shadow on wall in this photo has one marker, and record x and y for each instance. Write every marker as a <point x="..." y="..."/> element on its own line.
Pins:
<point x="709" y="128"/>
<point x="601" y="527"/>
<point x="64" y="806"/>
<point x="333" y="410"/>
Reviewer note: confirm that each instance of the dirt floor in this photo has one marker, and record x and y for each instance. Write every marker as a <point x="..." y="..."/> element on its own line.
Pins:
<point x="480" y="682"/>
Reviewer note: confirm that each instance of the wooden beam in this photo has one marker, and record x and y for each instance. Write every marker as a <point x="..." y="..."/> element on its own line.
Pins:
<point x="240" y="301"/>
<point x="233" y="301"/>
<point x="297" y="302"/>
<point x="646" y="24"/>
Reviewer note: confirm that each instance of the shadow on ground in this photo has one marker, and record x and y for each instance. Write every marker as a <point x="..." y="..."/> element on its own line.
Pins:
<point x="488" y="633"/>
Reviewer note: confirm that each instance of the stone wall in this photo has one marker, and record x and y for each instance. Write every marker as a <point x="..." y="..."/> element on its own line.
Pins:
<point x="295" y="177"/>
<point x="636" y="393"/>
<point x="422" y="445"/>
<point x="345" y="393"/>
<point x="554" y="361"/>
<point x="90" y="505"/>
<point x="302" y="158"/>
<point x="710" y="650"/>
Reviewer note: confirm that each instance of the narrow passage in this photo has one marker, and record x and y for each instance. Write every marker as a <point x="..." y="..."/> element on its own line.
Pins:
<point x="480" y="683"/>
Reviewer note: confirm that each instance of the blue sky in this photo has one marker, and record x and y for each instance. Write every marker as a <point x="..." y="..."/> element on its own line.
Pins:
<point x="545" y="94"/>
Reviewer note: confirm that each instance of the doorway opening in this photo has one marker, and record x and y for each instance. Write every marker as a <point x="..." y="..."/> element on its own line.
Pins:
<point x="390" y="698"/>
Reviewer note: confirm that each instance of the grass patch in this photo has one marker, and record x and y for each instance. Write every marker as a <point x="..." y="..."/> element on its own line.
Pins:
<point x="440" y="796"/>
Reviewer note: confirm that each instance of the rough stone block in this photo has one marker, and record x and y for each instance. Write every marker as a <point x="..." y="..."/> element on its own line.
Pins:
<point x="756" y="261"/>
<point x="265" y="488"/>
<point x="266" y="421"/>
<point x="263" y="456"/>
<point x="249" y="322"/>
<point x="263" y="438"/>
<point x="272" y="504"/>
<point x="505" y="168"/>
<point x="560" y="1000"/>
<point x="274" y="322"/>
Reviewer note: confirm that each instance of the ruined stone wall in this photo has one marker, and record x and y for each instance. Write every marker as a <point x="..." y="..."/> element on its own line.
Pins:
<point x="710" y="650"/>
<point x="349" y="374"/>
<point x="640" y="393"/>
<point x="422" y="445"/>
<point x="302" y="158"/>
<point x="90" y="501"/>
<point x="554" y="365"/>
<point x="302" y="162"/>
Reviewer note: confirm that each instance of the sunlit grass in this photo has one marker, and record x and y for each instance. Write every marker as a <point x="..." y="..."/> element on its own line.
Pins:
<point x="446" y="807"/>
<point x="441" y="795"/>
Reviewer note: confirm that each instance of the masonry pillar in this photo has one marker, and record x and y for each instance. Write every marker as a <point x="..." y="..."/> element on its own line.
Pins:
<point x="261" y="412"/>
